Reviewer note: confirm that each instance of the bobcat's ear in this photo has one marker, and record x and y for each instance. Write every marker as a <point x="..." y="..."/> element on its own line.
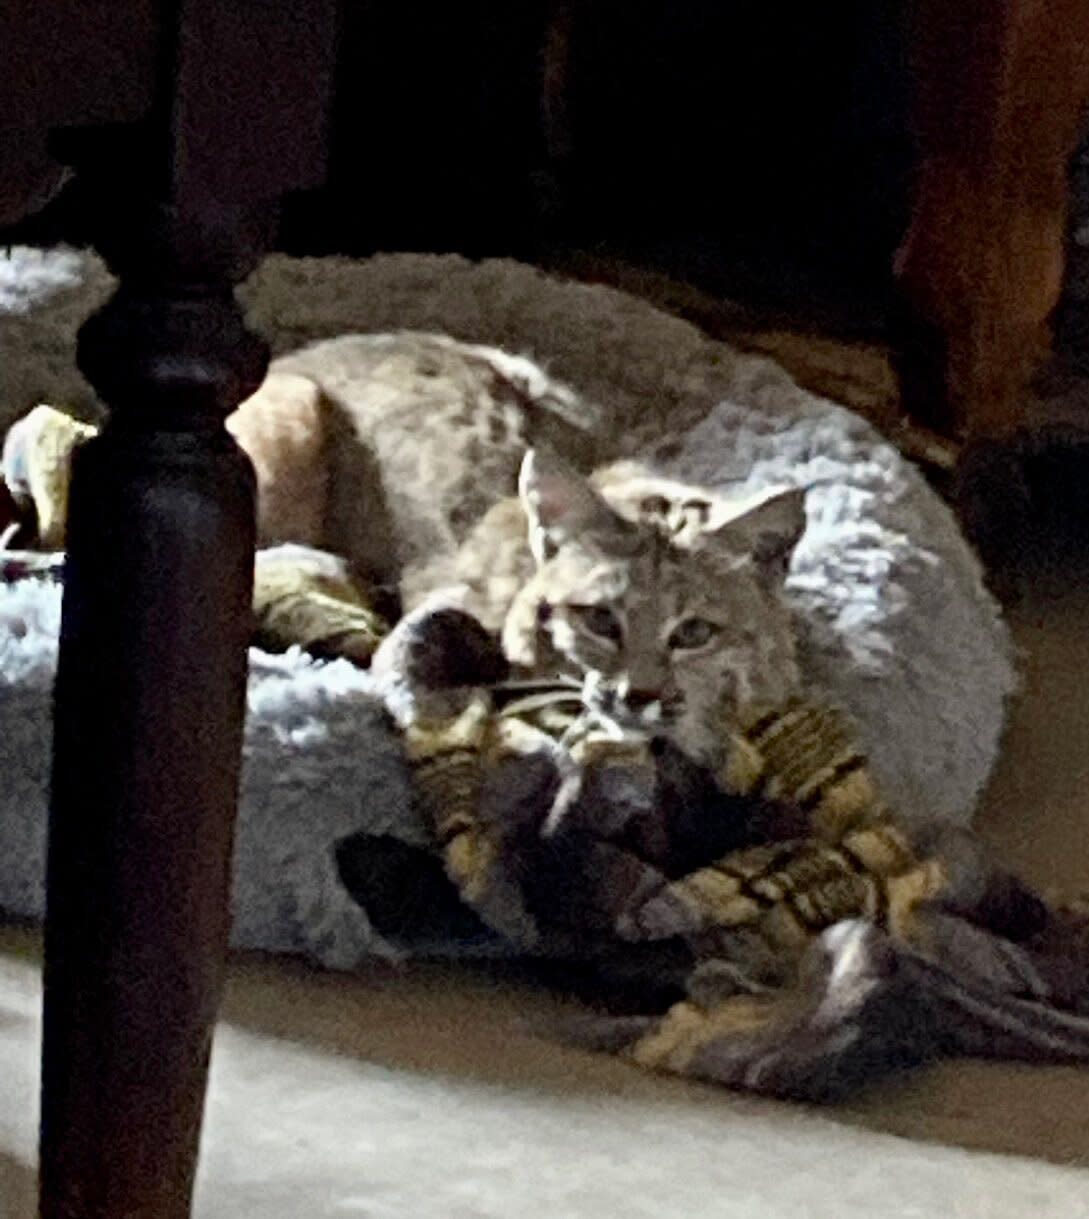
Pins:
<point x="560" y="505"/>
<point x="767" y="527"/>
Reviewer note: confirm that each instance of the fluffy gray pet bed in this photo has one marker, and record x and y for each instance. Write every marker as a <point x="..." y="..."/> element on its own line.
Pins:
<point x="897" y="627"/>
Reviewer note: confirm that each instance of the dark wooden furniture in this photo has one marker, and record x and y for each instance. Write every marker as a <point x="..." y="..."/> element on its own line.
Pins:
<point x="1001" y="97"/>
<point x="193" y="117"/>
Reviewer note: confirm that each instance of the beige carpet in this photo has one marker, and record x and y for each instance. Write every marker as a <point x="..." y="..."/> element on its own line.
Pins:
<point x="417" y="1094"/>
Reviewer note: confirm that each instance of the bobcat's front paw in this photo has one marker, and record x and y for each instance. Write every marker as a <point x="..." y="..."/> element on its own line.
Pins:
<point x="307" y="598"/>
<point x="436" y="652"/>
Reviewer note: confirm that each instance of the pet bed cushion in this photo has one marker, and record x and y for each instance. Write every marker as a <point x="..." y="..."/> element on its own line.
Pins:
<point x="896" y="625"/>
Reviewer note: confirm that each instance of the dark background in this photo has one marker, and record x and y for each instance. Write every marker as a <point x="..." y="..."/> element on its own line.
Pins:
<point x="758" y="149"/>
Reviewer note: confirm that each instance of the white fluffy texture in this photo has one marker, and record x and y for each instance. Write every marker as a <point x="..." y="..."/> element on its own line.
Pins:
<point x="306" y="783"/>
<point x="896" y="623"/>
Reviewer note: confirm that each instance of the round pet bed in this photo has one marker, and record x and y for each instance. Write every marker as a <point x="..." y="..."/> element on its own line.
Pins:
<point x="896" y="624"/>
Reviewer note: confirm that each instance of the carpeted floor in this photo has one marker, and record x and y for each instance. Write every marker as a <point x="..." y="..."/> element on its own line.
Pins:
<point x="419" y="1094"/>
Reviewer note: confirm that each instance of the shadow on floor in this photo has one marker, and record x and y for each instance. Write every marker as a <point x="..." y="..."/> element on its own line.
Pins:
<point x="18" y="1187"/>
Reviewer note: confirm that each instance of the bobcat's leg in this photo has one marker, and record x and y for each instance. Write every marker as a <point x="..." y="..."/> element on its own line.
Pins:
<point x="301" y="596"/>
<point x="37" y="467"/>
<point x="308" y="598"/>
<point x="280" y="428"/>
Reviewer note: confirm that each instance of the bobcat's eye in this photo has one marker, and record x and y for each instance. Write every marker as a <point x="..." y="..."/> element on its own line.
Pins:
<point x="692" y="633"/>
<point x="599" y="620"/>
<point x="654" y="505"/>
<point x="699" y="509"/>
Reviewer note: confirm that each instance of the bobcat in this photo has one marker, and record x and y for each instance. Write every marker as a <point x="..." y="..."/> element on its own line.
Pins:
<point x="389" y="461"/>
<point x="664" y="601"/>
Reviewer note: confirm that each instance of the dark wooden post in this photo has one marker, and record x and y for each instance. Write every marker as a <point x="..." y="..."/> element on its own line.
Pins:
<point x="150" y="688"/>
<point x="149" y="704"/>
<point x="1000" y="95"/>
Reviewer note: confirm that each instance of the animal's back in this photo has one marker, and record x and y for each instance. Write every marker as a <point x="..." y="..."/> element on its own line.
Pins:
<point x="389" y="449"/>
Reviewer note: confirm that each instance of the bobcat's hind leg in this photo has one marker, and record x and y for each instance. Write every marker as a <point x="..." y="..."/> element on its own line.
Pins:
<point x="302" y="596"/>
<point x="308" y="598"/>
<point x="36" y="467"/>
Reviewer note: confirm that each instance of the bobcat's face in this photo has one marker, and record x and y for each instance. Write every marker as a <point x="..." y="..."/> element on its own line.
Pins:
<point x="670" y="631"/>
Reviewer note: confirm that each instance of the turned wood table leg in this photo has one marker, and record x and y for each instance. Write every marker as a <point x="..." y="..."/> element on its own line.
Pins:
<point x="148" y="725"/>
<point x="1001" y="88"/>
<point x="157" y="604"/>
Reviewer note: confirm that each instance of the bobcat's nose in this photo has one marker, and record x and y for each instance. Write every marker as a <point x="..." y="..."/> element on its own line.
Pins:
<point x="651" y="704"/>
<point x="639" y="699"/>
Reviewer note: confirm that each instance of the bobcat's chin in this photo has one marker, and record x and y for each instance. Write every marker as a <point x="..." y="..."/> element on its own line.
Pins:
<point x="699" y="739"/>
<point x="693" y="731"/>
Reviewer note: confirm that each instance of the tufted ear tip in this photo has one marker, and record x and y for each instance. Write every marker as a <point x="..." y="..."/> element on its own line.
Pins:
<point x="527" y="472"/>
<point x="783" y="516"/>
<point x="768" y="528"/>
